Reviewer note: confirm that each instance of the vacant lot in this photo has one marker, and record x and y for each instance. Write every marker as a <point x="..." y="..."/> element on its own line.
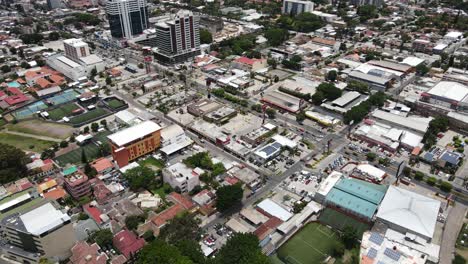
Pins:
<point x="339" y="221"/>
<point x="62" y="111"/>
<point x="25" y="143"/>
<point x="312" y="244"/>
<point x="41" y="128"/>
<point x="95" y="113"/>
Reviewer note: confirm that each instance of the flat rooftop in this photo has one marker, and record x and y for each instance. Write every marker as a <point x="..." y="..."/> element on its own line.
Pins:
<point x="133" y="133"/>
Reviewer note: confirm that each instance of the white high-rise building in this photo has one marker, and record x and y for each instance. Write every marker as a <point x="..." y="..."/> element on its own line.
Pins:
<point x="296" y="7"/>
<point x="127" y="17"/>
<point x="76" y="48"/>
<point x="178" y="39"/>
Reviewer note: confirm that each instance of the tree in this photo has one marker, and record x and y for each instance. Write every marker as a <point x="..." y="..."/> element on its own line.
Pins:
<point x="192" y="250"/>
<point x="349" y="237"/>
<point x="357" y="86"/>
<point x="140" y="177"/>
<point x="93" y="72"/>
<point x="326" y="91"/>
<point x="276" y="36"/>
<point x="431" y="181"/>
<point x="271" y="113"/>
<point x="159" y="251"/>
<point x="422" y="69"/>
<point x="338" y="250"/>
<point x="91" y="172"/>
<point x="419" y="175"/>
<point x="13" y="163"/>
<point x="63" y="144"/>
<point x="228" y="197"/>
<point x="94" y="127"/>
<point x="300" y="117"/>
<point x="84" y="159"/>
<point x="102" y="237"/>
<point x="86" y="130"/>
<point x="366" y="12"/>
<point x="25" y="65"/>
<point x="331" y="76"/>
<point x="108" y="80"/>
<point x="54" y="36"/>
<point x="104" y="123"/>
<point x="201" y="160"/>
<point x="218" y="169"/>
<point x="459" y="259"/>
<point x="304" y="22"/>
<point x="181" y="228"/>
<point x="371" y="156"/>
<point x="343" y="46"/>
<point x="241" y="249"/>
<point x="33" y="38"/>
<point x="132" y="221"/>
<point x="445" y="186"/>
<point x="273" y="63"/>
<point x="205" y="36"/>
<point x="5" y="68"/>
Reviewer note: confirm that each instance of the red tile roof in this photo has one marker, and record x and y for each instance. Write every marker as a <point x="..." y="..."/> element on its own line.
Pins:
<point x="127" y="243"/>
<point x="43" y="83"/>
<point x="16" y="99"/>
<point x="268" y="227"/>
<point x="55" y="194"/>
<point x="182" y="200"/>
<point x="231" y="180"/>
<point x="94" y="212"/>
<point x="13" y="90"/>
<point x="167" y="215"/>
<point x="102" y="164"/>
<point x="83" y="253"/>
<point x="245" y="60"/>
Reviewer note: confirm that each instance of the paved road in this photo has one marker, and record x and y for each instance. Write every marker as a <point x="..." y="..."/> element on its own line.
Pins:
<point x="453" y="226"/>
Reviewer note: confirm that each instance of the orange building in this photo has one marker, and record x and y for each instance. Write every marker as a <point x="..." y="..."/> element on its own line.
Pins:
<point x="134" y="142"/>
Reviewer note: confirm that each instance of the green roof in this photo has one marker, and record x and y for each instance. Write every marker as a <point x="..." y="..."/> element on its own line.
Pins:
<point x="69" y="171"/>
<point x="370" y="192"/>
<point x="357" y="196"/>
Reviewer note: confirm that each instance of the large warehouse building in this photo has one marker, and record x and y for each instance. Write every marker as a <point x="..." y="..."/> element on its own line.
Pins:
<point x="134" y="142"/>
<point x="409" y="212"/>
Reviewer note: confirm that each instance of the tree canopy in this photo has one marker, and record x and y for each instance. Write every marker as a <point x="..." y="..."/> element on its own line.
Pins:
<point x="13" y="163"/>
<point x="242" y="249"/>
<point x="180" y="228"/>
<point x="326" y="91"/>
<point x="140" y="177"/>
<point x="159" y="251"/>
<point x="276" y="36"/>
<point x="201" y="160"/>
<point x="205" y="36"/>
<point x="102" y="237"/>
<point x="304" y="22"/>
<point x="228" y="196"/>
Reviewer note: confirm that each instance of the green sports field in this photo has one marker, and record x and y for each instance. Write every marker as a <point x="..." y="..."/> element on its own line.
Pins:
<point x="339" y="221"/>
<point x="62" y="111"/>
<point x="74" y="157"/>
<point x="95" y="113"/>
<point x="312" y="244"/>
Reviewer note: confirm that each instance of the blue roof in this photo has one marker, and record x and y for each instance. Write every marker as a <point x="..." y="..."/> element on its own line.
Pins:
<point x="451" y="157"/>
<point x="429" y="156"/>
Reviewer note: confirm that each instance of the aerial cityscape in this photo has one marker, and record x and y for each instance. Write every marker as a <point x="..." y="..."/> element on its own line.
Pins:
<point x="233" y="132"/>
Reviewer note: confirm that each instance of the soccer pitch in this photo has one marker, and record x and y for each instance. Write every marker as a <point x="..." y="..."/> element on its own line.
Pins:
<point x="312" y="244"/>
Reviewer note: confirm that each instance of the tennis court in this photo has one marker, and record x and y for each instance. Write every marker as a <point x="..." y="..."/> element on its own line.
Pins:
<point x="339" y="221"/>
<point x="62" y="111"/>
<point x="65" y="97"/>
<point x="90" y="115"/>
<point x="29" y="110"/>
<point x="312" y="244"/>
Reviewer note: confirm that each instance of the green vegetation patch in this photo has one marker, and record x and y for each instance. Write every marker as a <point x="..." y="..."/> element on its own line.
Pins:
<point x="62" y="111"/>
<point x="114" y="103"/>
<point x="339" y="221"/>
<point x="25" y="143"/>
<point x="312" y="244"/>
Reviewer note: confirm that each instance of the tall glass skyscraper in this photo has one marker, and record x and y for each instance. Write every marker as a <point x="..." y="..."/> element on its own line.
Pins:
<point x="127" y="17"/>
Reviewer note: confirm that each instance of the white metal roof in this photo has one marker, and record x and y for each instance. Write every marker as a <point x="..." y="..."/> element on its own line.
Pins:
<point x="372" y="171"/>
<point x="450" y="90"/>
<point x="91" y="59"/>
<point x="412" y="61"/>
<point x="274" y="209"/>
<point x="414" y="123"/>
<point x="15" y="201"/>
<point x="409" y="210"/>
<point x="284" y="141"/>
<point x="346" y="98"/>
<point x="133" y="133"/>
<point x="43" y="219"/>
<point x="327" y="184"/>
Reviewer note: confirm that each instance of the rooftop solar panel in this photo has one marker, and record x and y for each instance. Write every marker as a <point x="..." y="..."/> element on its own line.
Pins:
<point x="372" y="253"/>
<point x="376" y="238"/>
<point x="394" y="255"/>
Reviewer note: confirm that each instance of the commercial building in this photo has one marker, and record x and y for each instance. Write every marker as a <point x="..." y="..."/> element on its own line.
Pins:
<point x="76" y="183"/>
<point x="415" y="124"/>
<point x="375" y="82"/>
<point x="134" y="142"/>
<point x="78" y="62"/>
<point x="203" y="107"/>
<point x="296" y="7"/>
<point x="43" y="232"/>
<point x="174" y="139"/>
<point x="409" y="212"/>
<point x="76" y="48"/>
<point x="247" y="64"/>
<point x="181" y="177"/>
<point x="448" y="94"/>
<point x="221" y="115"/>
<point x="178" y="39"/>
<point x="258" y="135"/>
<point x="356" y="197"/>
<point x="127" y="17"/>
